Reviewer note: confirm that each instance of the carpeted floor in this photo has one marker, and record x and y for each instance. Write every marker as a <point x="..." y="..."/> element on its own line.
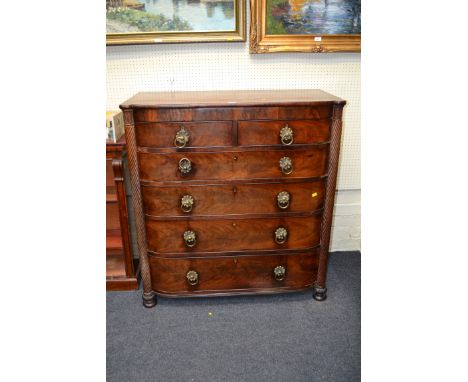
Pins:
<point x="289" y="337"/>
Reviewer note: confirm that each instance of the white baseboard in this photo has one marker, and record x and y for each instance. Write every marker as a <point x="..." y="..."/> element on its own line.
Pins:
<point x="346" y="226"/>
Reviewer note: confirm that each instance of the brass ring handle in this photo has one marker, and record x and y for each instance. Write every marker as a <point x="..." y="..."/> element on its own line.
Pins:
<point x="286" y="165"/>
<point x="279" y="272"/>
<point x="287" y="135"/>
<point x="186" y="203"/>
<point x="192" y="277"/>
<point x="281" y="235"/>
<point x="185" y="166"/>
<point x="181" y="138"/>
<point x="190" y="239"/>
<point x="283" y="199"/>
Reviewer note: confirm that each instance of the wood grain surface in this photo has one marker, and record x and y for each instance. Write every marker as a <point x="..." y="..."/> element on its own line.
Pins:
<point x="246" y="198"/>
<point x="112" y="216"/>
<point x="189" y="114"/>
<point x="232" y="234"/>
<point x="223" y="98"/>
<point x="268" y="132"/>
<point x="234" y="164"/>
<point x="201" y="134"/>
<point x="231" y="274"/>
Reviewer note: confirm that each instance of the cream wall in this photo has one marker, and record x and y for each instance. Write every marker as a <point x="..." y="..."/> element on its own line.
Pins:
<point x="217" y="66"/>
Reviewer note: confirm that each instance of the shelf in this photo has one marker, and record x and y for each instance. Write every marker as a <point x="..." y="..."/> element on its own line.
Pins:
<point x="115" y="265"/>
<point x="113" y="240"/>
<point x="116" y="278"/>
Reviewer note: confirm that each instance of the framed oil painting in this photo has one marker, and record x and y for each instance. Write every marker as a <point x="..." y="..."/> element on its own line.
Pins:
<point x="305" y="26"/>
<point x="165" y="21"/>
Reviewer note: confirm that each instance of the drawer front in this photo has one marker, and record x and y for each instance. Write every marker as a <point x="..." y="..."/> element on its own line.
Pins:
<point x="220" y="235"/>
<point x="254" y="273"/>
<point x="281" y="132"/>
<point x="233" y="165"/>
<point x="233" y="199"/>
<point x="196" y="134"/>
<point x="231" y="113"/>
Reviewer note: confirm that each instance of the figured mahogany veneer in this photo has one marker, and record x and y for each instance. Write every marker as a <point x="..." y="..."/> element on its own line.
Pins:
<point x="201" y="134"/>
<point x="268" y="132"/>
<point x="235" y="199"/>
<point x="232" y="234"/>
<point x="234" y="275"/>
<point x="217" y="226"/>
<point x="181" y="114"/>
<point x="307" y="163"/>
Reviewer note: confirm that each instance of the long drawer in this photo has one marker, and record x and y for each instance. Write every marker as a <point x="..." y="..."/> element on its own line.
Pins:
<point x="220" y="235"/>
<point x="234" y="164"/>
<point x="242" y="198"/>
<point x="243" y="274"/>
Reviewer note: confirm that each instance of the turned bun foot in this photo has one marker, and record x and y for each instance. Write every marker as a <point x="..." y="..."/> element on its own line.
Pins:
<point x="149" y="300"/>
<point x="320" y="293"/>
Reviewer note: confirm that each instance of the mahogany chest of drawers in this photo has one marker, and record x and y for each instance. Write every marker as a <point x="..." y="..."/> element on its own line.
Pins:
<point x="233" y="190"/>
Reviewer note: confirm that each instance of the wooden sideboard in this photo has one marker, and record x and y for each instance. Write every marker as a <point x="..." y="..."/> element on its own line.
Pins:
<point x="233" y="190"/>
<point x="121" y="270"/>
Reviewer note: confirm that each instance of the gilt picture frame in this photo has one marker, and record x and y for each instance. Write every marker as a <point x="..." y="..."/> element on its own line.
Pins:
<point x="130" y="22"/>
<point x="317" y="26"/>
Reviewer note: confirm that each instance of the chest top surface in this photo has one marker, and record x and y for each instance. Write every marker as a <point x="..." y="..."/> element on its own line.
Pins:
<point x="230" y="98"/>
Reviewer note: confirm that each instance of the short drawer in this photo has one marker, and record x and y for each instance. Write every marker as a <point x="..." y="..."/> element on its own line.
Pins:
<point x="242" y="198"/>
<point x="219" y="235"/>
<point x="184" y="134"/>
<point x="230" y="274"/>
<point x="283" y="132"/>
<point x="234" y="165"/>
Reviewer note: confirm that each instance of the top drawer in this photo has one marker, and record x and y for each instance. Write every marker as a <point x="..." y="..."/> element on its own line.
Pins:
<point x="222" y="113"/>
<point x="283" y="132"/>
<point x="184" y="134"/>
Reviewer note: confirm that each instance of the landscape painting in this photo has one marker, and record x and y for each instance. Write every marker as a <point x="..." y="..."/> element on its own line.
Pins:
<point x="151" y="21"/>
<point x="313" y="17"/>
<point x="318" y="26"/>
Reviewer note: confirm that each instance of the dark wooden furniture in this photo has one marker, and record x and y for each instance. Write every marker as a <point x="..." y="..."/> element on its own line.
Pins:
<point x="121" y="271"/>
<point x="233" y="190"/>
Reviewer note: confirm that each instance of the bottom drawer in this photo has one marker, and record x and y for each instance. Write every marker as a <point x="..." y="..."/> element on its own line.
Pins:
<point x="232" y="275"/>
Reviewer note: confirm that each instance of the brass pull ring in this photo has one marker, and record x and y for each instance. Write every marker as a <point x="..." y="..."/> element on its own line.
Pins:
<point x="192" y="277"/>
<point x="185" y="166"/>
<point x="181" y="138"/>
<point x="286" y="165"/>
<point x="283" y="199"/>
<point x="190" y="239"/>
<point x="186" y="203"/>
<point x="281" y="235"/>
<point x="287" y="135"/>
<point x="279" y="272"/>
